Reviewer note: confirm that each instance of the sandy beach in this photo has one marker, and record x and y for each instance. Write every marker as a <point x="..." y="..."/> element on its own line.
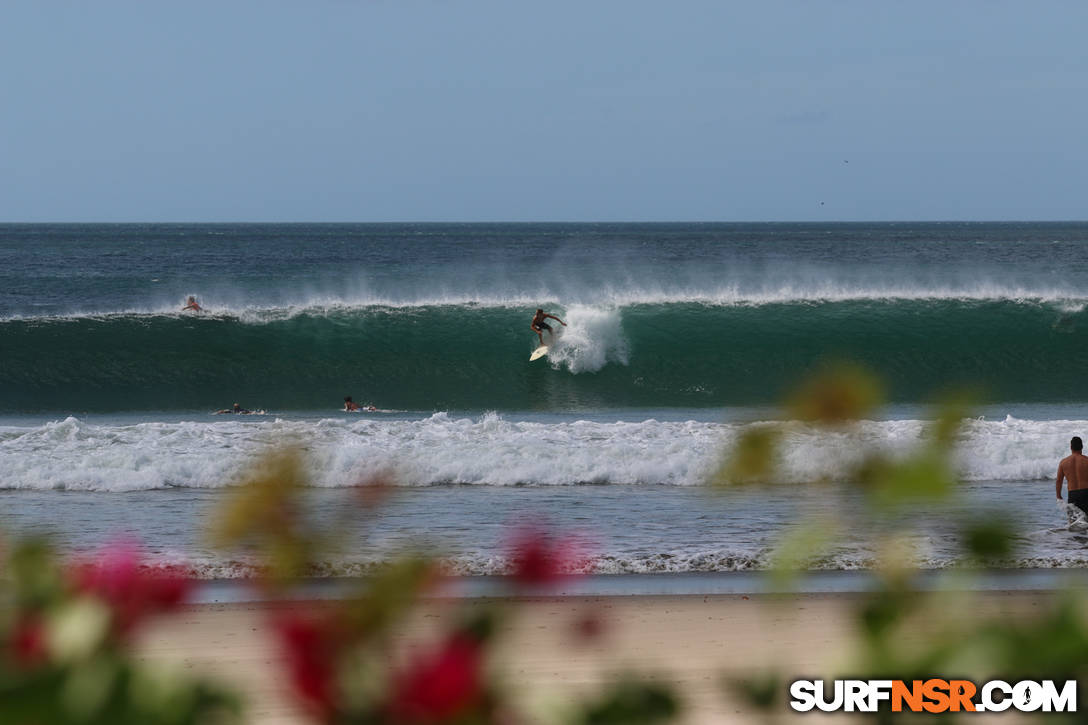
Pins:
<point x="692" y="641"/>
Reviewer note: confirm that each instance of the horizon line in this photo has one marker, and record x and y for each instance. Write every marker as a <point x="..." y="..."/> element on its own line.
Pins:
<point x="563" y="221"/>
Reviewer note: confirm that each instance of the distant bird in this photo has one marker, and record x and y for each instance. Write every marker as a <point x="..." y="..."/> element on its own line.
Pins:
<point x="846" y="161"/>
<point x="821" y="203"/>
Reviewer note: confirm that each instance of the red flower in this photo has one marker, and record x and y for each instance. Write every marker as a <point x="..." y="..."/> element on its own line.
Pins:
<point x="441" y="684"/>
<point x="28" y="641"/>
<point x="311" y="647"/>
<point x="537" y="558"/>
<point x="131" y="590"/>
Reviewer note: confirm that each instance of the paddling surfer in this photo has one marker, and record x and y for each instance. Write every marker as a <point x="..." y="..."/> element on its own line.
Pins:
<point x="191" y="304"/>
<point x="1074" y="469"/>
<point x="350" y="406"/>
<point x="538" y="325"/>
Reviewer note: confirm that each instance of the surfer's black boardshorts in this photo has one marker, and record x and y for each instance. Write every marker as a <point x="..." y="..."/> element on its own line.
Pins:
<point x="1079" y="498"/>
<point x="542" y="326"/>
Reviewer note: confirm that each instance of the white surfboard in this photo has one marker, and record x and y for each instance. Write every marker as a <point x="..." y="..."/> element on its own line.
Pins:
<point x="539" y="352"/>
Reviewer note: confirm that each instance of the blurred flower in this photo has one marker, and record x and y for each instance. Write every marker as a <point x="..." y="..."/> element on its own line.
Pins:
<point x="312" y="647"/>
<point x="589" y="626"/>
<point x="66" y="659"/>
<point x="537" y="557"/>
<point x="439" y="685"/>
<point x="131" y="590"/>
<point x="27" y="641"/>
<point x="77" y="629"/>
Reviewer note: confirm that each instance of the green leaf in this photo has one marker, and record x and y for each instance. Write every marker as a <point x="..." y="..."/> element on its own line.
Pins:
<point x="630" y="702"/>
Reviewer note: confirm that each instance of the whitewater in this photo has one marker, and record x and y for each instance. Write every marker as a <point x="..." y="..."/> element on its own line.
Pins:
<point x="488" y="450"/>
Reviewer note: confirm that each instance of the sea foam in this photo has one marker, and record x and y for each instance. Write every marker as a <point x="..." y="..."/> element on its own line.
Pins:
<point x="489" y="450"/>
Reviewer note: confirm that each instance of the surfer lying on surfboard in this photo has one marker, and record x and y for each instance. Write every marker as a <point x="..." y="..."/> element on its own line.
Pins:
<point x="538" y="325"/>
<point x="237" y="410"/>
<point x="351" y="406"/>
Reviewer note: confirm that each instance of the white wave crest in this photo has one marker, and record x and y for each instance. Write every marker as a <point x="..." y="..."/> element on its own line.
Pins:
<point x="487" y="450"/>
<point x="602" y="296"/>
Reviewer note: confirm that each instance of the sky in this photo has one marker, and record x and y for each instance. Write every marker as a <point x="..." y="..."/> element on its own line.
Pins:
<point x="505" y="110"/>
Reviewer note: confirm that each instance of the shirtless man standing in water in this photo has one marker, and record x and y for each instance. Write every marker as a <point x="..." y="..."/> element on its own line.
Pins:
<point x="1074" y="468"/>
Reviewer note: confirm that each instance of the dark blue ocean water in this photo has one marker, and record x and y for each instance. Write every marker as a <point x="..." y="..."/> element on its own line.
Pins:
<point x="679" y="336"/>
<point x="435" y="317"/>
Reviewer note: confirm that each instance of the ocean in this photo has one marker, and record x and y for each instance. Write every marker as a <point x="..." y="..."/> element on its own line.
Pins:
<point x="679" y="337"/>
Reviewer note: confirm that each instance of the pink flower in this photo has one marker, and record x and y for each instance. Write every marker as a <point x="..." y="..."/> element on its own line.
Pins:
<point x="439" y="685"/>
<point x="538" y="558"/>
<point x="131" y="590"/>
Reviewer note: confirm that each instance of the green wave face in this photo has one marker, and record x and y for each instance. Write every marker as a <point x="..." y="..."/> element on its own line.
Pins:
<point x="475" y="358"/>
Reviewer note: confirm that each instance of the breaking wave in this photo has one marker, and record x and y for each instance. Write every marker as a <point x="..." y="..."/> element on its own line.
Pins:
<point x="488" y="450"/>
<point x="475" y="357"/>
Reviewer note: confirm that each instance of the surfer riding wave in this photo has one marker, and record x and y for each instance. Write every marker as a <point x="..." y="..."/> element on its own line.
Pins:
<point x="538" y="325"/>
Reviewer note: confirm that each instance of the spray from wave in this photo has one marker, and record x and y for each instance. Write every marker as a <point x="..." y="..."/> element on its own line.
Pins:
<point x="602" y="297"/>
<point x="593" y="338"/>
